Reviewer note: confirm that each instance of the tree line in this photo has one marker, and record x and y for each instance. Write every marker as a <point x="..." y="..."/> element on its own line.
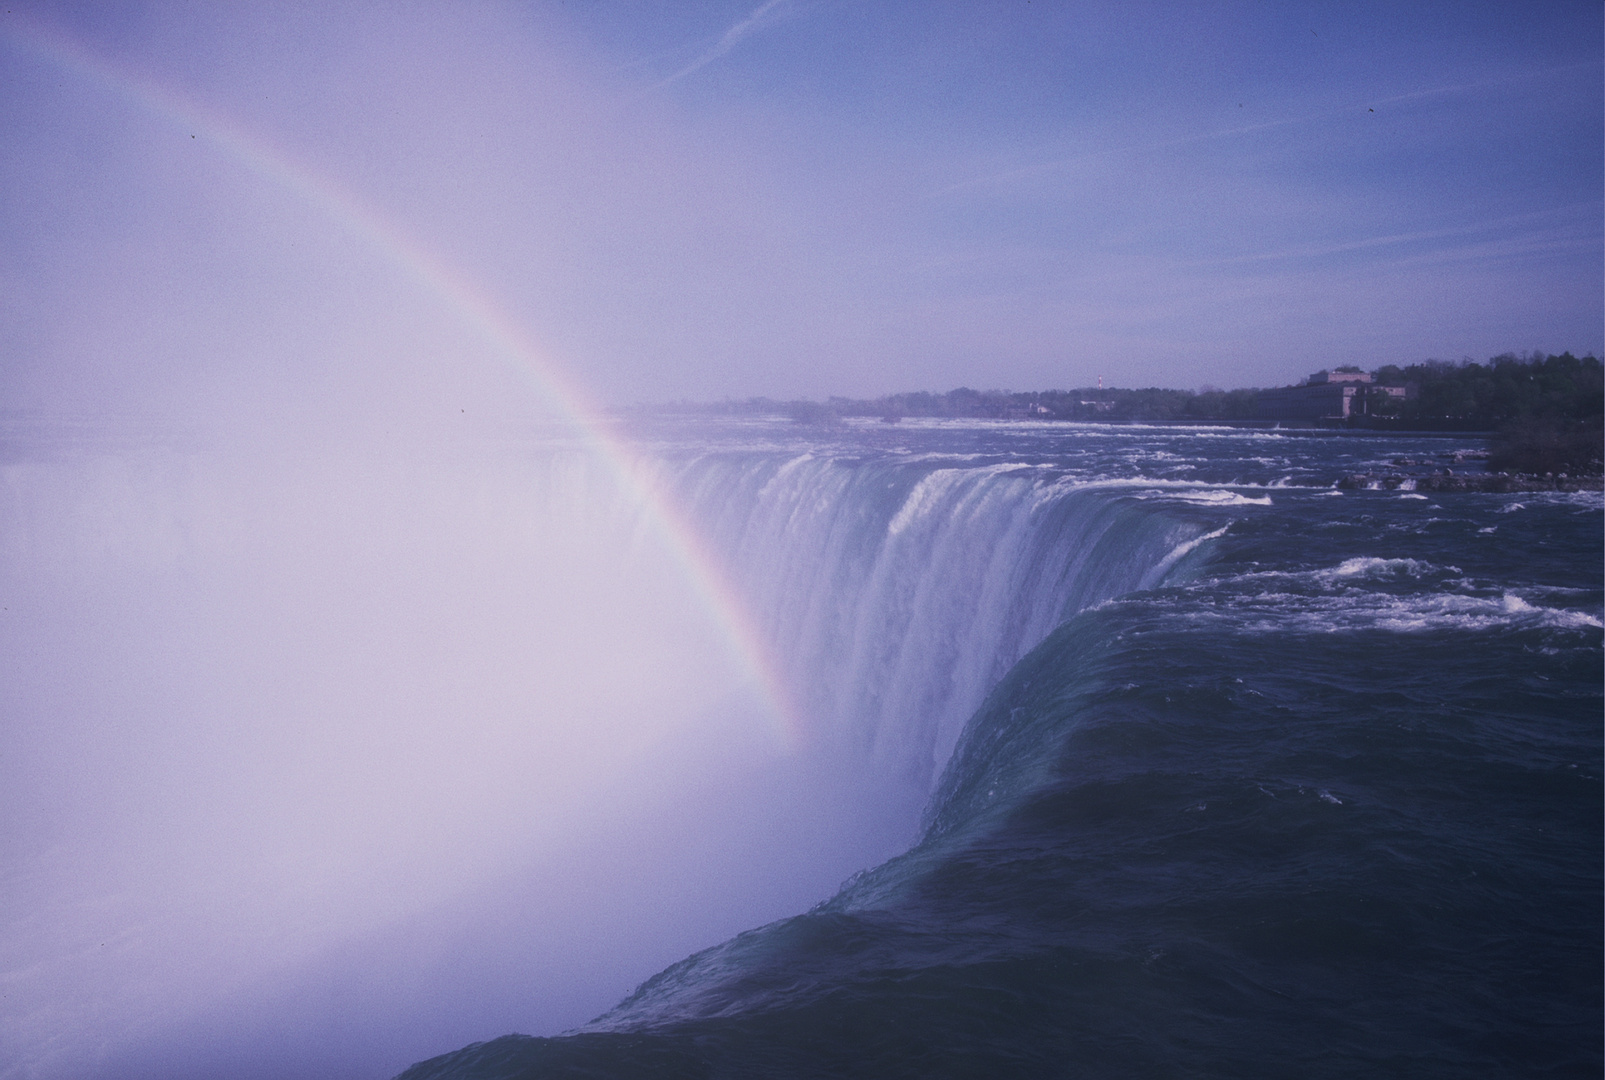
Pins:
<point x="1466" y="395"/>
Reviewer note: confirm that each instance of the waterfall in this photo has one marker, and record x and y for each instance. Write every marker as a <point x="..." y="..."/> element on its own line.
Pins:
<point x="898" y="592"/>
<point x="447" y="731"/>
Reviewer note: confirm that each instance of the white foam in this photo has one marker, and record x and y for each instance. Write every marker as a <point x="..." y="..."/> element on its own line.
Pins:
<point x="1351" y="597"/>
<point x="1373" y="567"/>
<point x="1356" y="611"/>
<point x="1223" y="498"/>
<point x="1157" y="574"/>
<point x="1199" y="495"/>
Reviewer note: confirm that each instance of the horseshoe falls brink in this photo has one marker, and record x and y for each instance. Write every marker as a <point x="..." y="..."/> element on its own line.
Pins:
<point x="1076" y="751"/>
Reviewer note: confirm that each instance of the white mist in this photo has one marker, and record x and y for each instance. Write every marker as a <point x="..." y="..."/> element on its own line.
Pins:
<point x="321" y="759"/>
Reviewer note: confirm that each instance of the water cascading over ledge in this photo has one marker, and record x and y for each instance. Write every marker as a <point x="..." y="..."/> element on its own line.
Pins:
<point x="442" y="731"/>
<point x="1325" y="801"/>
<point x="898" y="592"/>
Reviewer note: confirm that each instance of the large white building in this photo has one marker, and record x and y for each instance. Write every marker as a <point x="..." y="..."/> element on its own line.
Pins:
<point x="1335" y="394"/>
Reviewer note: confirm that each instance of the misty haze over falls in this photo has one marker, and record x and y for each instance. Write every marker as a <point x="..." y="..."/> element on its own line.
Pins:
<point x="928" y="749"/>
<point x="404" y="748"/>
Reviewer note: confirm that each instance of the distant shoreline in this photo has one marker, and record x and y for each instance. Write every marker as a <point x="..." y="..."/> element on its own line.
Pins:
<point x="1435" y="396"/>
<point x="1297" y="427"/>
<point x="1542" y="413"/>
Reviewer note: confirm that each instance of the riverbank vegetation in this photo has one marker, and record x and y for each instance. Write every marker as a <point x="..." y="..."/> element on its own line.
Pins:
<point x="1543" y="411"/>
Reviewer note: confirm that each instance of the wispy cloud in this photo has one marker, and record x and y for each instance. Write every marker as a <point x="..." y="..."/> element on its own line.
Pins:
<point x="1041" y="168"/>
<point x="764" y="15"/>
<point x="1541" y="230"/>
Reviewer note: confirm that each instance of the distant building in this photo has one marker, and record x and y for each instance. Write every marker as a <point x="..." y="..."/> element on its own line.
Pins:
<point x="1336" y="394"/>
<point x="1338" y="375"/>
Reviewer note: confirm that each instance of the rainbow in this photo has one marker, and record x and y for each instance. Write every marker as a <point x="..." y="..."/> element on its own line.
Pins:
<point x="460" y="295"/>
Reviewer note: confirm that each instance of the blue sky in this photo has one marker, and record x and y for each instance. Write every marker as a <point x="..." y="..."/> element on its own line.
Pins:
<point x="798" y="198"/>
